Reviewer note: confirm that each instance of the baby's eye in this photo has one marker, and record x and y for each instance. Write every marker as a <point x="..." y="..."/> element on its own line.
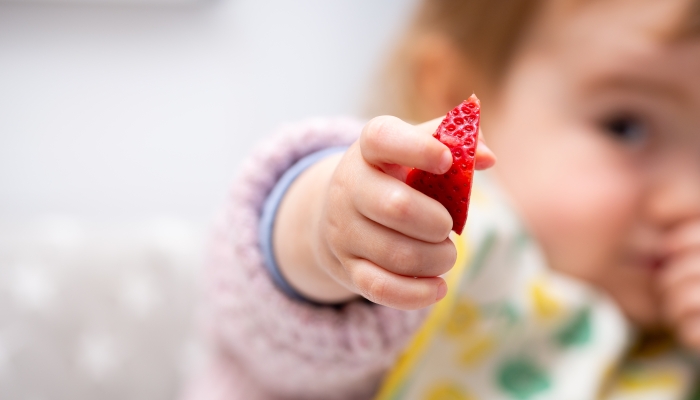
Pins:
<point x="626" y="128"/>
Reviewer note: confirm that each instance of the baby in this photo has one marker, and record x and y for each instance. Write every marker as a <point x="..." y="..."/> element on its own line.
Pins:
<point x="580" y="264"/>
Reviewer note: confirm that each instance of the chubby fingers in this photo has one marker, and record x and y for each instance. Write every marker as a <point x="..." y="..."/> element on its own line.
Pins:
<point x="398" y="253"/>
<point x="683" y="262"/>
<point x="682" y="300"/>
<point x="681" y="270"/>
<point x="685" y="238"/>
<point x="397" y="206"/>
<point x="383" y="287"/>
<point x="392" y="145"/>
<point x="387" y="141"/>
<point x="682" y="312"/>
<point x="485" y="158"/>
<point x="680" y="287"/>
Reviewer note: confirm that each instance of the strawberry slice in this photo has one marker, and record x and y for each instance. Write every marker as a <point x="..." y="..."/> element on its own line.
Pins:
<point x="459" y="131"/>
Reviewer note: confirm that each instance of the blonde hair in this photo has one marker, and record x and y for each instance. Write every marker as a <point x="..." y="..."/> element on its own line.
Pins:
<point x="487" y="33"/>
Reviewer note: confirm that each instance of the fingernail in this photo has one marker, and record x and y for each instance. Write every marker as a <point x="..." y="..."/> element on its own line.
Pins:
<point x="441" y="291"/>
<point x="445" y="161"/>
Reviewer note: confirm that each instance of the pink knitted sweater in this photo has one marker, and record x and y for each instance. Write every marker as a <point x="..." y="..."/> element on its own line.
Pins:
<point x="267" y="346"/>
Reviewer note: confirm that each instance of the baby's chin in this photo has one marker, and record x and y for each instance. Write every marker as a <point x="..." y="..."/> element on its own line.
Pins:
<point x="643" y="310"/>
<point x="632" y="288"/>
<point x="631" y="285"/>
<point x="646" y="320"/>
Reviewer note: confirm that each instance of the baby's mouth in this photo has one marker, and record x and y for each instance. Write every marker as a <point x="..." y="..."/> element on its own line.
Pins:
<point x="647" y="251"/>
<point x="657" y="263"/>
<point x="651" y="263"/>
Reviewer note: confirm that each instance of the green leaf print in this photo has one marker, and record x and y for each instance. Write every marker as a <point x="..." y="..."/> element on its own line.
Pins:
<point x="511" y="313"/>
<point x="522" y="378"/>
<point x="481" y="256"/>
<point x="578" y="331"/>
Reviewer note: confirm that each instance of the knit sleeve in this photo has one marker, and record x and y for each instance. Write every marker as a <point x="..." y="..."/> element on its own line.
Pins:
<point x="268" y="344"/>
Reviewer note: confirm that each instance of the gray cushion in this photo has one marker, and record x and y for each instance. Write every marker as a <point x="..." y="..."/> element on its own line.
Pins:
<point x="98" y="312"/>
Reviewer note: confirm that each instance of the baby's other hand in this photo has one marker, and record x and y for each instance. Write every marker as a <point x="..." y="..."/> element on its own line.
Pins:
<point x="379" y="237"/>
<point x="680" y="284"/>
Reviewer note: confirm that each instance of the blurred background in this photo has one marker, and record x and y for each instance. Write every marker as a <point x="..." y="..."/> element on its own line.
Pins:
<point x="122" y="123"/>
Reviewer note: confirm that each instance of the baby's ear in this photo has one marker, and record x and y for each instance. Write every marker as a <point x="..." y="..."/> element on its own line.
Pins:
<point x="443" y="76"/>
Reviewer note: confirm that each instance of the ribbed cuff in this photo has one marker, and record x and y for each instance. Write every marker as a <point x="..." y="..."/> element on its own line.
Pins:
<point x="269" y="213"/>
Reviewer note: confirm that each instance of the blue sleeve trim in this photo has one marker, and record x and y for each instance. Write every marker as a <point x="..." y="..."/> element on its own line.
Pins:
<point x="269" y="213"/>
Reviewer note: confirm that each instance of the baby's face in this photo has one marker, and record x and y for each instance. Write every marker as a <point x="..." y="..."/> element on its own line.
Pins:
<point x="598" y="141"/>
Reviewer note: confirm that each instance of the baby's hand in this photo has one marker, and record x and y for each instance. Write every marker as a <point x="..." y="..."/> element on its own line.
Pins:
<point x="680" y="283"/>
<point x="377" y="236"/>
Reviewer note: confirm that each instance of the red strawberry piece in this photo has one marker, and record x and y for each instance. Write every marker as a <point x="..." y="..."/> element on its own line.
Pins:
<point x="459" y="131"/>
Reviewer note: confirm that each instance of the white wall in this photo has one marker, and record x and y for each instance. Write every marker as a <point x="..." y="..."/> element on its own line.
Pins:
<point x="129" y="112"/>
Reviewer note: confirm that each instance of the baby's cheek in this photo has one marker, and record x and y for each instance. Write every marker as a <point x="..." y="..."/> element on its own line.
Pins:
<point x="584" y="228"/>
<point x="582" y="213"/>
<point x="580" y="230"/>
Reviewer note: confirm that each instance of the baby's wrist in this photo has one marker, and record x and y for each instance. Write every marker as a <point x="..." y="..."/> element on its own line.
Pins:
<point x="299" y="243"/>
<point x="327" y="289"/>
